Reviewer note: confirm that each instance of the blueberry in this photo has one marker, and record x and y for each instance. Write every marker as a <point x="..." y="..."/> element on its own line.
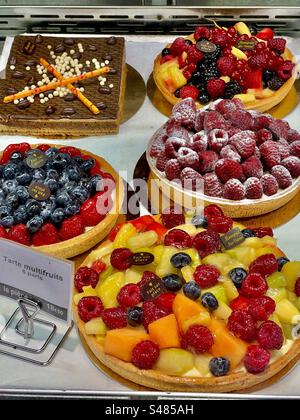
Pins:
<point x="74" y="173"/>
<point x="1" y="170"/>
<point x="81" y="193"/>
<point x="177" y="93"/>
<point x="33" y="208"/>
<point x="16" y="157"/>
<point x="20" y="215"/>
<point x="22" y="193"/>
<point x="72" y="209"/>
<point x="47" y="207"/>
<point x="10" y="171"/>
<point x="192" y="290"/>
<point x="69" y="186"/>
<point x="180" y="260"/>
<point x="88" y="164"/>
<point x="35" y="224"/>
<point x="24" y="178"/>
<point x="2" y="195"/>
<point x="52" y="174"/>
<point x="9" y="186"/>
<point x="58" y="216"/>
<point x="63" y="198"/>
<point x="12" y="199"/>
<point x="248" y="233"/>
<point x="7" y="222"/>
<point x="204" y="98"/>
<point x="96" y="184"/>
<point x="281" y="262"/>
<point x="172" y="282"/>
<point x="38" y="175"/>
<point x="5" y="210"/>
<point x="165" y="52"/>
<point x="219" y="366"/>
<point x="51" y="152"/>
<point x="78" y="160"/>
<point x="134" y="316"/>
<point x="209" y="301"/>
<point x="52" y="184"/>
<point x="60" y="161"/>
<point x="238" y="275"/>
<point x="63" y="180"/>
<point x="200" y="222"/>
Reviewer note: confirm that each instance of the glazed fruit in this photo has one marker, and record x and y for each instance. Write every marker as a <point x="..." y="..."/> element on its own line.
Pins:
<point x="219" y="366"/>
<point x="257" y="359"/>
<point x="145" y="354"/>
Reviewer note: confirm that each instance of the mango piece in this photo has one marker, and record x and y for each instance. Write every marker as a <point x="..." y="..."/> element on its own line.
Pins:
<point x="95" y="326"/>
<point x="230" y="289"/>
<point x="218" y="291"/>
<point x="287" y="312"/>
<point x="120" y="342"/>
<point x="108" y="289"/>
<point x="252" y="243"/>
<point x="165" y="332"/>
<point x="277" y="294"/>
<point x="242" y="29"/>
<point x="223" y="312"/>
<point x="201" y="319"/>
<point x="145" y="239"/>
<point x="291" y="272"/>
<point x="185" y="309"/>
<point x="276" y="280"/>
<point x="165" y="267"/>
<point x="175" y="362"/>
<point x="100" y="339"/>
<point x="87" y="291"/>
<point x="126" y="232"/>
<point x="269" y="249"/>
<point x="226" y="345"/>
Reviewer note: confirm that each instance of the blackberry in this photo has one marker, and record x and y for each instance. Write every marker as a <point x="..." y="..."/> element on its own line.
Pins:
<point x="275" y="83"/>
<point x="204" y="98"/>
<point x="253" y="30"/>
<point x="208" y="72"/>
<point x="165" y="52"/>
<point x="177" y="93"/>
<point x="268" y="75"/>
<point x="232" y="88"/>
<point x="211" y="58"/>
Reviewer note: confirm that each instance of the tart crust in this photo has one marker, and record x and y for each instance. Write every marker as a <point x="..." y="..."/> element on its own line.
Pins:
<point x="236" y="381"/>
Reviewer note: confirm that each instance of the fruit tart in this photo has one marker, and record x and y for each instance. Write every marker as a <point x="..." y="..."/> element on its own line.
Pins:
<point x="245" y="161"/>
<point x="227" y="63"/>
<point x="173" y="304"/>
<point x="61" y="200"/>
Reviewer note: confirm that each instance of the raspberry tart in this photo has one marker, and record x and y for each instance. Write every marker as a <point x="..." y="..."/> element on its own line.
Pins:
<point x="245" y="161"/>
<point x="231" y="62"/>
<point x="231" y="313"/>
<point x="61" y="200"/>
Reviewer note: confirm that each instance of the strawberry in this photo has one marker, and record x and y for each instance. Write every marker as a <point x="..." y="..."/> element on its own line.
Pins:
<point x="90" y="214"/>
<point x="265" y="34"/>
<point x="47" y="235"/>
<point x="72" y="151"/>
<point x="98" y="266"/>
<point x="9" y="150"/>
<point x="44" y="147"/>
<point x="115" y="231"/>
<point x="72" y="227"/>
<point x="19" y="233"/>
<point x="158" y="228"/>
<point x="254" y="79"/>
<point x="3" y="233"/>
<point x="141" y="223"/>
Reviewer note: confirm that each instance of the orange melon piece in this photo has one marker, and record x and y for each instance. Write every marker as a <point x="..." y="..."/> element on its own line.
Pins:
<point x="165" y="332"/>
<point x="226" y="345"/>
<point x="185" y="309"/>
<point x="121" y="342"/>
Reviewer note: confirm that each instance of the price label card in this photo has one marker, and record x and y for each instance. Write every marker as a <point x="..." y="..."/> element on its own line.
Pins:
<point x="44" y="279"/>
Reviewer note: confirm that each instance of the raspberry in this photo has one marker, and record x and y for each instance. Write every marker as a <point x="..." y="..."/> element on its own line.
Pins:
<point x="206" y="243"/>
<point x="172" y="217"/>
<point x="194" y="55"/>
<point x="240" y="303"/>
<point x="226" y="169"/>
<point x="213" y="120"/>
<point x="207" y="161"/>
<point x="120" y="258"/>
<point x="129" y="296"/>
<point x="225" y="106"/>
<point x="99" y="266"/>
<point x="166" y="58"/>
<point x="12" y="148"/>
<point x="244" y="142"/>
<point x="89" y="308"/>
<point x="292" y="136"/>
<point x="199" y="142"/>
<point x="47" y="235"/>
<point x="270" y="153"/>
<point x="191" y="180"/>
<point x="297" y="287"/>
<point x="263" y="135"/>
<point x="285" y="71"/>
<point x="147" y="276"/>
<point x="172" y="169"/>
<point x="217" y="139"/>
<point x="199" y="119"/>
<point x="282" y="175"/>
<point x="257" y="153"/>
<point x="219" y="37"/>
<point x="114" y="318"/>
<point x="260" y="232"/>
<point x="234" y="190"/>
<point x="262" y="121"/>
<point x="257" y="359"/>
<point x="212" y="185"/>
<point x="254" y="189"/>
<point x="178" y="47"/>
<point x="269" y="184"/>
<point x="90" y="214"/>
<point x="226" y="65"/>
<point x="265" y="265"/>
<point x="188" y="158"/>
<point x="145" y="354"/>
<point x="184" y="112"/>
<point x="3" y="233"/>
<point x="199" y="339"/>
<point x="178" y="238"/>
<point x="295" y="148"/>
<point x="216" y="88"/>
<point x="292" y="164"/>
<point x="262" y="308"/>
<point x="19" y="233"/>
<point x="172" y="145"/>
<point x="85" y="277"/>
<point x="252" y="167"/>
<point x="165" y="301"/>
<point x="229" y="152"/>
<point x="258" y="61"/>
<point x="201" y="32"/>
<point x="71" y="151"/>
<point x="270" y="336"/>
<point x="161" y="161"/>
<point x="176" y="130"/>
<point x="242" y="325"/>
<point x="254" y="285"/>
<point x="45" y="147"/>
<point x="72" y="227"/>
<point x="279" y="128"/>
<point x="284" y="148"/>
<point x="213" y="210"/>
<point x="242" y="119"/>
<point x="189" y="91"/>
<point x="151" y="313"/>
<point x="206" y="276"/>
<point x="220" y="224"/>
<point x="277" y="44"/>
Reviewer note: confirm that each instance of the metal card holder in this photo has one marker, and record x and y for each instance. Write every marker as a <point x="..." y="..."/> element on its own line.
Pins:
<point x="25" y="334"/>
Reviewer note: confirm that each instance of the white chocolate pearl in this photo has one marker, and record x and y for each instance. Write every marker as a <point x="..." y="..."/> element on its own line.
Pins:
<point x="61" y="94"/>
<point x="12" y="68"/>
<point x="106" y="62"/>
<point x="97" y="66"/>
<point x="16" y="101"/>
<point x="94" y="60"/>
<point x="49" y="47"/>
<point x="81" y="89"/>
<point x="33" y="86"/>
<point x="111" y="85"/>
<point x="42" y="101"/>
<point x="40" y="83"/>
<point x="27" y="68"/>
<point x="72" y="52"/>
<point x="26" y="88"/>
<point x="102" y="83"/>
<point x="41" y="95"/>
<point x="88" y="62"/>
<point x="55" y="93"/>
<point x="46" y="99"/>
<point x="102" y="64"/>
<point x="50" y="96"/>
<point x="104" y="79"/>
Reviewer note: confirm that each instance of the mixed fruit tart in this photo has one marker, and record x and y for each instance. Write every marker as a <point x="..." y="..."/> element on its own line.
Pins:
<point x="226" y="150"/>
<point x="49" y="195"/>
<point x="164" y="304"/>
<point x="229" y="62"/>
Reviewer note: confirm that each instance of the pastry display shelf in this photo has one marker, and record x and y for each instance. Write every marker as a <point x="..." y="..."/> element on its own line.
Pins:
<point x="72" y="374"/>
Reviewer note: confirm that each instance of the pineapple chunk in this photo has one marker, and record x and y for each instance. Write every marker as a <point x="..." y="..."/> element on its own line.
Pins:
<point x="158" y="252"/>
<point x="277" y="294"/>
<point x="165" y="267"/>
<point x="126" y="232"/>
<point x="287" y="312"/>
<point x="218" y="260"/>
<point x="175" y="362"/>
<point x="194" y="254"/>
<point x="177" y="77"/>
<point x="292" y="297"/>
<point x="95" y="326"/>
<point x="108" y="289"/>
<point x="244" y="254"/>
<point x="225" y="78"/>
<point x="252" y="243"/>
<point x="190" y="229"/>
<point x="275" y="319"/>
<point x="231" y="290"/>
<point x="187" y="273"/>
<point x="99" y="253"/>
<point x="242" y="29"/>
<point x="276" y="280"/>
<point x="140" y="240"/>
<point x="87" y="291"/>
<point x="239" y="54"/>
<point x="245" y="97"/>
<point x="291" y="271"/>
<point x="132" y="276"/>
<point x="223" y="312"/>
<point x="219" y="292"/>
<point x="107" y="272"/>
<point x="202" y="363"/>
<point x="203" y="318"/>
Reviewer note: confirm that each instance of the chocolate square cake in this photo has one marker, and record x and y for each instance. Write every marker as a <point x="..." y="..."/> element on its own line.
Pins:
<point x="59" y="112"/>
